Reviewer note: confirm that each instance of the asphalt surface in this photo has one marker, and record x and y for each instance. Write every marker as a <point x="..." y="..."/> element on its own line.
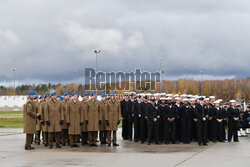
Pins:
<point x="12" y="153"/>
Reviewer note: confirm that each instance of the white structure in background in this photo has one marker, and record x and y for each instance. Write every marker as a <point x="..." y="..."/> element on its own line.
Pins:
<point x="19" y="100"/>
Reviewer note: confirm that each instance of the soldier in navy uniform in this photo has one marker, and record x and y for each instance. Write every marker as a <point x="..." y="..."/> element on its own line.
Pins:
<point x="152" y="115"/>
<point x="233" y="119"/>
<point x="143" y="120"/>
<point x="130" y="113"/>
<point x="136" y="109"/>
<point x="202" y="122"/>
<point x="176" y="109"/>
<point x="124" y="117"/>
<point x="169" y="117"/>
<point x="186" y="121"/>
<point x="220" y="112"/>
<point x="162" y="111"/>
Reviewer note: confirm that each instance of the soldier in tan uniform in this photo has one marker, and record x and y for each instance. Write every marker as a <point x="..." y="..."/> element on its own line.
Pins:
<point x="43" y="124"/>
<point x="93" y="119"/>
<point x="84" y="130"/>
<point x="102" y="132"/>
<point x="74" y="119"/>
<point x="113" y="118"/>
<point x="29" y="116"/>
<point x="38" y="123"/>
<point x="54" y="118"/>
<point x="65" y="136"/>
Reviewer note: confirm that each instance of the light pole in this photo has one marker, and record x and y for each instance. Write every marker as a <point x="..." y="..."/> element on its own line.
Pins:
<point x="96" y="54"/>
<point x="162" y="73"/>
<point x="74" y="78"/>
<point x="186" y="79"/>
<point x="14" y="78"/>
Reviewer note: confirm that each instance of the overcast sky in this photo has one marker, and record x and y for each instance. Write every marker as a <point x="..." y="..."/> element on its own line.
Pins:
<point x="38" y="35"/>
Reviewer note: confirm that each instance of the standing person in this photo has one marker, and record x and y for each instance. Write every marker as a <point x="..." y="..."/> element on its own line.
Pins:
<point x="186" y="121"/>
<point x="143" y="120"/>
<point x="130" y="113"/>
<point x="54" y="118"/>
<point x="202" y="122"/>
<point x="43" y="124"/>
<point x="124" y="116"/>
<point x="93" y="119"/>
<point x="103" y="132"/>
<point x="211" y="120"/>
<point x="163" y="109"/>
<point x="176" y="108"/>
<point x="84" y="129"/>
<point x="74" y="119"/>
<point x="233" y="118"/>
<point x="112" y="118"/>
<point x="170" y="128"/>
<point x="64" y="135"/>
<point x="152" y="116"/>
<point x="220" y="112"/>
<point x="38" y="124"/>
<point x="29" y="116"/>
<point x="194" y="117"/>
<point x="136" y="109"/>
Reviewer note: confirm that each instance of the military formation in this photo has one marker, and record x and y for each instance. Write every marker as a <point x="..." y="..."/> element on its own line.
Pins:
<point x="147" y="118"/>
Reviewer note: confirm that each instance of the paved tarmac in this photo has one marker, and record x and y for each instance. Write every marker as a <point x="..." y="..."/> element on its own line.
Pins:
<point x="128" y="154"/>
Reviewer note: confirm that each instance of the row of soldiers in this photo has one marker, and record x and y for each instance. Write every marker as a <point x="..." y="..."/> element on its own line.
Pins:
<point x="65" y="120"/>
<point x="166" y="118"/>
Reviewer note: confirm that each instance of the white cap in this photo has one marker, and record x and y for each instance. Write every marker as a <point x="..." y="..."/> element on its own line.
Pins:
<point x="232" y="101"/>
<point x="211" y="97"/>
<point x="206" y="99"/>
<point x="176" y="95"/>
<point x="192" y="99"/>
<point x="163" y="94"/>
<point x="183" y="95"/>
<point x="185" y="99"/>
<point x="163" y="98"/>
<point x="177" y="98"/>
<point x="189" y="95"/>
<point x="168" y="98"/>
<point x="216" y="102"/>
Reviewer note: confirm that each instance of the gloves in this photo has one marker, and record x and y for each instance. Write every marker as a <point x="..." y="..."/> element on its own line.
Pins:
<point x="39" y="117"/>
<point x="87" y="122"/>
<point x="68" y="123"/>
<point x="107" y="122"/>
<point x="42" y="123"/>
<point x="118" y="122"/>
<point x="48" y="123"/>
<point x="100" y="122"/>
<point x="81" y="123"/>
<point x="61" y="122"/>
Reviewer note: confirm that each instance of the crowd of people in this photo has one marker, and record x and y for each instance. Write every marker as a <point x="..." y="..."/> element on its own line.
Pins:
<point x="147" y="118"/>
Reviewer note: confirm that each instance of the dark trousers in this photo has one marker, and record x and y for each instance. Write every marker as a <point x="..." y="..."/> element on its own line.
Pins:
<point x="186" y="130"/>
<point x="153" y="132"/>
<point x="65" y="136"/>
<point x="220" y="133"/>
<point x="92" y="137"/>
<point x="143" y="129"/>
<point x="125" y="128"/>
<point x="84" y="137"/>
<point x="130" y="127"/>
<point x="170" y="132"/>
<point x="202" y="131"/>
<point x="224" y="129"/>
<point x="232" y="130"/>
<point x="137" y="128"/>
<point x="37" y="136"/>
<point x="162" y="130"/>
<point x="28" y="141"/>
<point x="73" y="140"/>
<point x="57" y="136"/>
<point x="45" y="138"/>
<point x="103" y="136"/>
<point x="178" y="129"/>
<point x="213" y="130"/>
<point x="109" y="137"/>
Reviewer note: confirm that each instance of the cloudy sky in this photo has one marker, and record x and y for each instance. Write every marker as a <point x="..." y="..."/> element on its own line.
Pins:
<point x="53" y="40"/>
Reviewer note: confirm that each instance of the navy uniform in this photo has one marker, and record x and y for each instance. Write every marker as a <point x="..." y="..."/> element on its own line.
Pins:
<point x="153" y="115"/>
<point x="186" y="122"/>
<point x="136" y="109"/>
<point x="169" y="126"/>
<point x="124" y="117"/>
<point x="202" y="123"/>
<point x="233" y="120"/>
<point x="129" y="111"/>
<point x="220" y="112"/>
<point x="176" y="109"/>
<point x="162" y="111"/>
<point x="143" y="121"/>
